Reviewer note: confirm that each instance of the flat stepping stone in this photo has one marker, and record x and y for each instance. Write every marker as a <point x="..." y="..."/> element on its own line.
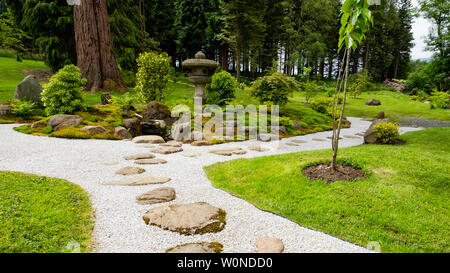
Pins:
<point x="151" y="161"/>
<point x="150" y="146"/>
<point x="239" y="152"/>
<point x="200" y="143"/>
<point x="258" y="149"/>
<point x="130" y="171"/>
<point x="187" y="219"/>
<point x="331" y="137"/>
<point x="292" y="144"/>
<point x="354" y="137"/>
<point x="139" y="156"/>
<point x="149" y="139"/>
<point x="167" y="150"/>
<point x="267" y="137"/>
<point x="299" y="141"/>
<point x="172" y="144"/>
<point x="197" y="248"/>
<point x="160" y="195"/>
<point x="191" y="154"/>
<point x="319" y="139"/>
<point x="227" y="151"/>
<point x="269" y="245"/>
<point x="111" y="163"/>
<point x="139" y="181"/>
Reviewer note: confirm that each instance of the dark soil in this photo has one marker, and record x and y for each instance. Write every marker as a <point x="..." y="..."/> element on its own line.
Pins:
<point x="41" y="75"/>
<point x="397" y="142"/>
<point x="326" y="173"/>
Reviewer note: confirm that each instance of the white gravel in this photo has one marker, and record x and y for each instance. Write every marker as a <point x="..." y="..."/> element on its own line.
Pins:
<point x="119" y="226"/>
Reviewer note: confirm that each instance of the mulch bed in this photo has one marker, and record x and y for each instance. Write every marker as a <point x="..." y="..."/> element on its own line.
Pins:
<point x="325" y="172"/>
<point x="397" y="142"/>
<point x="41" y="75"/>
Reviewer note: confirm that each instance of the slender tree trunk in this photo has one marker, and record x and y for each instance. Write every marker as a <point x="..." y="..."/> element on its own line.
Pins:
<point x="95" y="53"/>
<point x="225" y="57"/>
<point x="330" y="66"/>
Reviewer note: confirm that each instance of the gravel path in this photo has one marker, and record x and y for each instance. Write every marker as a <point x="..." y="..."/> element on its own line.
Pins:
<point x="425" y="123"/>
<point x="119" y="226"/>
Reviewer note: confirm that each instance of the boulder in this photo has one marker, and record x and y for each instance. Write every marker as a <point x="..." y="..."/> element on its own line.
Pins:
<point x="122" y="133"/>
<point x="38" y="125"/>
<point x="158" y="111"/>
<point x="94" y="130"/>
<point x="110" y="85"/>
<point x="58" y="122"/>
<point x="373" y="102"/>
<point x="29" y="88"/>
<point x="154" y="127"/>
<point x="267" y="137"/>
<point x="160" y="195"/>
<point x="380" y="115"/>
<point x="198" y="248"/>
<point x="280" y="129"/>
<point x="269" y="245"/>
<point x="370" y="136"/>
<point x="139" y="156"/>
<point x="130" y="171"/>
<point x="297" y="125"/>
<point x="149" y="139"/>
<point x="133" y="126"/>
<point x="167" y="150"/>
<point x="139" y="181"/>
<point x="106" y="98"/>
<point x="5" y="110"/>
<point x="188" y="219"/>
<point x="152" y="161"/>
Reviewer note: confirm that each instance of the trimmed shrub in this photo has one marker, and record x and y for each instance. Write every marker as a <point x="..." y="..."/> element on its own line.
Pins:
<point x="440" y="100"/>
<point x="63" y="94"/>
<point x="22" y="108"/>
<point x="274" y="88"/>
<point x="386" y="132"/>
<point x="153" y="75"/>
<point x="323" y="105"/>
<point x="221" y="89"/>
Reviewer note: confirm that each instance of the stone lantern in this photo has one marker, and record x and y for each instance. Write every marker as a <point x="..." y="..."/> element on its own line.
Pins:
<point x="200" y="73"/>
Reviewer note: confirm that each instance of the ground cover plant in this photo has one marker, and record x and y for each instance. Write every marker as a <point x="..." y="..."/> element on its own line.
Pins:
<point x="43" y="215"/>
<point x="402" y="204"/>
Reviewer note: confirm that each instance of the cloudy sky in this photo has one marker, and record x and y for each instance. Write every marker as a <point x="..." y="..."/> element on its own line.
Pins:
<point x="420" y="28"/>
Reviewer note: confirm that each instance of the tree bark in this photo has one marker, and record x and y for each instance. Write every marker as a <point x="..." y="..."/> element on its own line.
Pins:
<point x="95" y="53"/>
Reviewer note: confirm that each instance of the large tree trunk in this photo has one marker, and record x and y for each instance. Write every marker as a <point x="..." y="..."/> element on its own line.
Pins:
<point x="95" y="53"/>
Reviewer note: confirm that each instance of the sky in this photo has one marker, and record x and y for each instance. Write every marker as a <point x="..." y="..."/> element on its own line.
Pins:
<point x="420" y="28"/>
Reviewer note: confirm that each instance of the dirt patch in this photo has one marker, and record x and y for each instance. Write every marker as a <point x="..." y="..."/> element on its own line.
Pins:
<point x="325" y="172"/>
<point x="41" y="75"/>
<point x="397" y="142"/>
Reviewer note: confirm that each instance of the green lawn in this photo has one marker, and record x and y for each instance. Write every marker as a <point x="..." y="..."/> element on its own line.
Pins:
<point x="404" y="204"/>
<point x="10" y="75"/>
<point x="42" y="215"/>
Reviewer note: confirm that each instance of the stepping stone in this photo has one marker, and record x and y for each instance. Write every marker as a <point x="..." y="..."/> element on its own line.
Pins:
<point x="167" y="150"/>
<point x="258" y="149"/>
<point x="331" y="137"/>
<point x="149" y="139"/>
<point x="197" y="248"/>
<point x="239" y="152"/>
<point x="139" y="156"/>
<point x="267" y="137"/>
<point x="139" y="181"/>
<point x="354" y="137"/>
<point x="191" y="154"/>
<point x="269" y="245"/>
<point x="151" y="161"/>
<point x="111" y="163"/>
<point x="319" y="139"/>
<point x="292" y="144"/>
<point x="360" y="134"/>
<point x="130" y="171"/>
<point x="160" y="195"/>
<point x="148" y="146"/>
<point x="368" y="119"/>
<point x="201" y="143"/>
<point x="188" y="219"/>
<point x="172" y="144"/>
<point x="298" y="141"/>
<point x="227" y="151"/>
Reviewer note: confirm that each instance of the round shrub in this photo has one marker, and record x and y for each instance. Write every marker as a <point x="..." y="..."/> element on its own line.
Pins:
<point x="153" y="75"/>
<point x="322" y="105"/>
<point x="386" y="132"/>
<point x="63" y="94"/>
<point x="274" y="88"/>
<point x="440" y="100"/>
<point x="222" y="88"/>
